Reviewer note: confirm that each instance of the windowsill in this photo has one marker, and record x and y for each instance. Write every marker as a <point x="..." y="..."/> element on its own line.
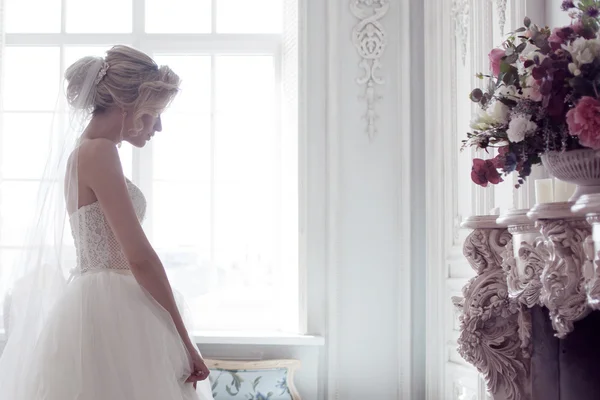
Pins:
<point x="247" y="338"/>
<point x="257" y="338"/>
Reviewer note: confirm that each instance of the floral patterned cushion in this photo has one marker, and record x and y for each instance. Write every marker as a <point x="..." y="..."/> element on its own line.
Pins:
<point x="254" y="380"/>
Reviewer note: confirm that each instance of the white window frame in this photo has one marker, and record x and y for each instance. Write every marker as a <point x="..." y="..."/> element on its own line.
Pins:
<point x="205" y="44"/>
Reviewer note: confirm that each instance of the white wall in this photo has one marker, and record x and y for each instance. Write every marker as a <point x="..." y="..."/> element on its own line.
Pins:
<point x="554" y="15"/>
<point x="369" y="264"/>
<point x="358" y="272"/>
<point x="367" y="229"/>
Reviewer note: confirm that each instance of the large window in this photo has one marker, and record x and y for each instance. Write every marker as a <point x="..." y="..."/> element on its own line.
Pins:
<point x="221" y="180"/>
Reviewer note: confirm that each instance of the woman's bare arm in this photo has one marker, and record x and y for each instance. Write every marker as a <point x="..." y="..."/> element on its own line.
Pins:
<point x="100" y="169"/>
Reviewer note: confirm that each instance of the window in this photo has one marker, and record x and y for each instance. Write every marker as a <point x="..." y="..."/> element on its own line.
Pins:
<point x="221" y="180"/>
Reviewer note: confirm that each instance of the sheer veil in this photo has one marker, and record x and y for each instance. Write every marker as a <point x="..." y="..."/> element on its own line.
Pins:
<point x="48" y="256"/>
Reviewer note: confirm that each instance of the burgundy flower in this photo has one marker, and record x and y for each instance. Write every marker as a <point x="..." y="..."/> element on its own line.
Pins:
<point x="584" y="122"/>
<point x="484" y="172"/>
<point x="567" y="5"/>
<point x="505" y="160"/>
<point x="495" y="57"/>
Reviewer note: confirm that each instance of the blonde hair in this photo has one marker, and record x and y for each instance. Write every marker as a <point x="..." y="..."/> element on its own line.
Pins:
<point x="132" y="81"/>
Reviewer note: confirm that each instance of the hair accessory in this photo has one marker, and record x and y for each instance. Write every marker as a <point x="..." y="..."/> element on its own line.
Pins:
<point x="101" y="73"/>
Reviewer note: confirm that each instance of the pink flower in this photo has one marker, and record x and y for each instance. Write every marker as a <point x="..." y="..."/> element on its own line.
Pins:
<point x="532" y="90"/>
<point x="578" y="28"/>
<point x="495" y="57"/>
<point x="584" y="122"/>
<point x="484" y="172"/>
<point x="581" y="30"/>
<point x="557" y="38"/>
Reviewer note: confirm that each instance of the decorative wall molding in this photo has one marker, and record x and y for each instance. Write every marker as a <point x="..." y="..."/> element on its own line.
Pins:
<point x="501" y="10"/>
<point x="370" y="39"/>
<point x="439" y="40"/>
<point x="2" y="44"/>
<point x="333" y="198"/>
<point x="460" y="15"/>
<point x="410" y="381"/>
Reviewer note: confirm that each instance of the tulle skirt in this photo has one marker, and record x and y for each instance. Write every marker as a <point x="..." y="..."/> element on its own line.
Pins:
<point x="105" y="339"/>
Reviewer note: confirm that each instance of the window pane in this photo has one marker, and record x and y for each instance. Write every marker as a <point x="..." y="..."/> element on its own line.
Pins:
<point x="20" y="202"/>
<point x="91" y="16"/>
<point x="21" y="19"/>
<point x="181" y="216"/>
<point x="181" y="152"/>
<point x="25" y="157"/>
<point x="178" y="16"/>
<point x="27" y="86"/>
<point x="194" y="72"/>
<point x="246" y="189"/>
<point x="246" y="160"/>
<point x="126" y="154"/>
<point x="74" y="53"/>
<point x="17" y="204"/>
<point x="243" y="16"/>
<point x="8" y="261"/>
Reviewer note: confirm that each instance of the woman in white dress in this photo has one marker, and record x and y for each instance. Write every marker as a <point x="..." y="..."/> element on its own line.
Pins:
<point x="114" y="332"/>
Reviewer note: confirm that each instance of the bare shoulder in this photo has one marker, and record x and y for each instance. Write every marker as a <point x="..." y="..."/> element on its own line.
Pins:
<point x="94" y="155"/>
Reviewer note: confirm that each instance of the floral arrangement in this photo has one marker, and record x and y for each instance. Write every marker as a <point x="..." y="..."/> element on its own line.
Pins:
<point x="542" y="95"/>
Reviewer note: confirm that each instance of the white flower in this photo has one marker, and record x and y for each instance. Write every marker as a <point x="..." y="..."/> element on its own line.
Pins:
<point x="531" y="90"/>
<point x="529" y="49"/>
<point x="585" y="57"/>
<point x="498" y="111"/>
<point x="519" y="127"/>
<point x="574" y="70"/>
<point x="528" y="54"/>
<point x="482" y="121"/>
<point x="520" y="67"/>
<point x="583" y="51"/>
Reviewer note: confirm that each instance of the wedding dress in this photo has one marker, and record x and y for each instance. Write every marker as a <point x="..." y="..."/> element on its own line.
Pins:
<point x="105" y="338"/>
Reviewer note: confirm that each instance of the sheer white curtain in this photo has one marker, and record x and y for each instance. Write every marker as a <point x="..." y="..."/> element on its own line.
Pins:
<point x="2" y="25"/>
<point x="2" y="43"/>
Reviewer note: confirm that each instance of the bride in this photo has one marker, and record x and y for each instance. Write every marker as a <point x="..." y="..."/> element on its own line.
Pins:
<point x="114" y="330"/>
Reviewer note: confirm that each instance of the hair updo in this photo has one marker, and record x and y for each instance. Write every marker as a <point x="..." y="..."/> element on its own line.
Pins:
<point x="132" y="81"/>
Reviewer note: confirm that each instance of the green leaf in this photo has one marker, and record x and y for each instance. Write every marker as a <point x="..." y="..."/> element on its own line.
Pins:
<point x="521" y="47"/>
<point x="255" y="383"/>
<point x="527" y="22"/>
<point x="229" y="391"/>
<point x="505" y="67"/>
<point x="521" y="29"/>
<point x="582" y="86"/>
<point x="512" y="58"/>
<point x="511" y="78"/>
<point x="507" y="102"/>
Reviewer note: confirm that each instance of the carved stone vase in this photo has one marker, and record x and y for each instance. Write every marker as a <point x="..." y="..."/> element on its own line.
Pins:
<point x="580" y="167"/>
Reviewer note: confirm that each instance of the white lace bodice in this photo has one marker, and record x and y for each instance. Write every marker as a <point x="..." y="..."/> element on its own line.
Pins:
<point x="96" y="244"/>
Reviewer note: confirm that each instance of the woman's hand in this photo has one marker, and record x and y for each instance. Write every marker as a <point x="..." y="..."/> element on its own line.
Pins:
<point x="199" y="370"/>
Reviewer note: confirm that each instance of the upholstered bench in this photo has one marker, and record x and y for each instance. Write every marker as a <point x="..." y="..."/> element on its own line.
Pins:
<point x="253" y="380"/>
